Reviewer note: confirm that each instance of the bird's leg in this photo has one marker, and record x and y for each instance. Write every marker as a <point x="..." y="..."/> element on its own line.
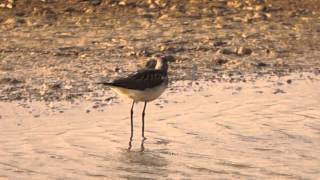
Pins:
<point x="142" y="145"/>
<point x="131" y="116"/>
<point x="143" y="113"/>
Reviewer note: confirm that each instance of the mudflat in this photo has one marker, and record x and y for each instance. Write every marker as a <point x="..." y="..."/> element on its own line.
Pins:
<point x="255" y="130"/>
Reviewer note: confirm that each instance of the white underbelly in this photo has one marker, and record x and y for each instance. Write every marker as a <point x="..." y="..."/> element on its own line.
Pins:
<point x="149" y="94"/>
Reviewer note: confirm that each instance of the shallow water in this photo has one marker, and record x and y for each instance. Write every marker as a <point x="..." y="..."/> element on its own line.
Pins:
<point x="257" y="130"/>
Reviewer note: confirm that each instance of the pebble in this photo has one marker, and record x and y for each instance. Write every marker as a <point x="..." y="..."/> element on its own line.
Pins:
<point x="122" y="3"/>
<point x="221" y="61"/>
<point x="261" y="64"/>
<point x="9" y="6"/>
<point x="277" y="91"/>
<point x="169" y="58"/>
<point x="241" y="51"/>
<point x="226" y="51"/>
<point x="95" y="106"/>
<point x="95" y="2"/>
<point x="219" y="43"/>
<point x="20" y="13"/>
<point x="10" y="80"/>
<point x="261" y="8"/>
<point x="10" y="21"/>
<point x="117" y="69"/>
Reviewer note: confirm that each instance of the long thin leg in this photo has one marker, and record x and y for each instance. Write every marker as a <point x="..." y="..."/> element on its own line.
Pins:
<point x="143" y="113"/>
<point x="131" y="116"/>
<point x="142" y="145"/>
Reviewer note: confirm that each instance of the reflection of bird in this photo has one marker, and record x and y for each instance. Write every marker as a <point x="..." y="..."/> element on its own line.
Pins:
<point x="145" y="85"/>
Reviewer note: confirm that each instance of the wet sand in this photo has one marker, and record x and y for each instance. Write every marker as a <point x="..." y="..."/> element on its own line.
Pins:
<point x="266" y="129"/>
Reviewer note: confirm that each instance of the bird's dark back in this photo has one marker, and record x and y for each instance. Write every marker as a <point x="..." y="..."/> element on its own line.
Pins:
<point x="141" y="80"/>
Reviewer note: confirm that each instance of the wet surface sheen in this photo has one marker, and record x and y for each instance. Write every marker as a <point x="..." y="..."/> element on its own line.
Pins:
<point x="221" y="131"/>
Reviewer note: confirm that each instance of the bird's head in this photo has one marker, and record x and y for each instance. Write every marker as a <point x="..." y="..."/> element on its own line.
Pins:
<point x="151" y="64"/>
<point x="162" y="62"/>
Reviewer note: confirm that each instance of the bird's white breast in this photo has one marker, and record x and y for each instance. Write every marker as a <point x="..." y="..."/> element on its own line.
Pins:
<point x="148" y="94"/>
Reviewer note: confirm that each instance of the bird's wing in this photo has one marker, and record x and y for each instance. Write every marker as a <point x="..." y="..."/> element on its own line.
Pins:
<point x="140" y="80"/>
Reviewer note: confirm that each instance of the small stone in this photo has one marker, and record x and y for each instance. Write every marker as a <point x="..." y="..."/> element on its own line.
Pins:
<point x="144" y="53"/>
<point x="268" y="51"/>
<point x="261" y="8"/>
<point x="117" y="69"/>
<point x="10" y="21"/>
<point x="10" y="80"/>
<point x="70" y="10"/>
<point x="261" y="64"/>
<point x="277" y="91"/>
<point x="89" y="11"/>
<point x="163" y="48"/>
<point x="227" y="51"/>
<point x="165" y="16"/>
<point x="169" y="58"/>
<point x="88" y="111"/>
<point x="289" y="81"/>
<point x="36" y="115"/>
<point x="51" y="105"/>
<point x="175" y="49"/>
<point x="131" y="53"/>
<point x="260" y="1"/>
<point x="238" y="88"/>
<point x="244" y="51"/>
<point x="67" y="87"/>
<point x="55" y="85"/>
<point x="122" y="3"/>
<point x="20" y="13"/>
<point x="95" y="106"/>
<point x="219" y="43"/>
<point x="221" y="61"/>
<point x="109" y="99"/>
<point x="9" y="6"/>
<point x="95" y="2"/>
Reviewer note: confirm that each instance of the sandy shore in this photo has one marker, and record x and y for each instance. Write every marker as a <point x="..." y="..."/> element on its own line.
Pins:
<point x="257" y="130"/>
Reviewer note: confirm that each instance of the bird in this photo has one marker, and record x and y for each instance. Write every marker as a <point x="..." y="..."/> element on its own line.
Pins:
<point x="144" y="85"/>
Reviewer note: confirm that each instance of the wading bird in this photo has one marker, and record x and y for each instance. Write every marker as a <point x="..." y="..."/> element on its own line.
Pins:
<point x="145" y="85"/>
